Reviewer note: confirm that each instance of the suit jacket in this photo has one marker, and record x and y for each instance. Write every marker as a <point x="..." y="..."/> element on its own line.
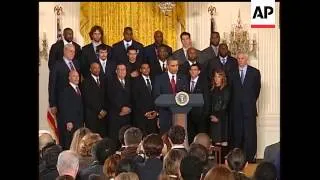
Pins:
<point x="142" y="99"/>
<point x="179" y="54"/>
<point x="93" y="100"/>
<point x="150" y="52"/>
<point x="246" y="94"/>
<point x="185" y="67"/>
<point x="150" y="169"/>
<point x="155" y="69"/>
<point x="117" y="97"/>
<point x="208" y="54"/>
<point x="230" y="66"/>
<point x="201" y="87"/>
<point x="119" y="53"/>
<point x="110" y="69"/>
<point x="271" y="151"/>
<point x="94" y="168"/>
<point x="88" y="56"/>
<point x="162" y="84"/>
<point x="58" y="80"/>
<point x="56" y="53"/>
<point x="70" y="107"/>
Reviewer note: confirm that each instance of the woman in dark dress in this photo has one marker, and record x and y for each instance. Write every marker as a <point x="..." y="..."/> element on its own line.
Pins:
<point x="218" y="104"/>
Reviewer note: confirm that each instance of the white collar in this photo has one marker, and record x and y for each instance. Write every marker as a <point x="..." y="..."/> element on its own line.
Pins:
<point x="95" y="77"/>
<point x="66" y="42"/>
<point x="195" y="80"/>
<point x="66" y="60"/>
<point x="243" y="68"/>
<point x="145" y="77"/>
<point x="162" y="62"/>
<point x="127" y="42"/>
<point x="223" y="57"/>
<point x="95" y="44"/>
<point x="190" y="63"/>
<point x="170" y="76"/>
<point x="73" y="85"/>
<point x="215" y="47"/>
<point x="178" y="146"/>
<point x="102" y="60"/>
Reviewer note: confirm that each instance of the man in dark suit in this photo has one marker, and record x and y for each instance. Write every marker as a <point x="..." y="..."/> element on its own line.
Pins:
<point x="119" y="49"/>
<point x="160" y="65"/>
<point x="223" y="61"/>
<point x="56" y="50"/>
<point x="107" y="66"/>
<point x="193" y="58"/>
<point x="245" y="90"/>
<point x="143" y="103"/>
<point x="169" y="83"/>
<point x="93" y="93"/>
<point x="150" y="51"/>
<point x="197" y="117"/>
<point x="70" y="110"/>
<point x="181" y="54"/>
<point x="118" y="102"/>
<point x="270" y="152"/>
<point x="90" y="52"/>
<point x="133" y="64"/>
<point x="177" y="138"/>
<point x="211" y="52"/>
<point x="58" y="77"/>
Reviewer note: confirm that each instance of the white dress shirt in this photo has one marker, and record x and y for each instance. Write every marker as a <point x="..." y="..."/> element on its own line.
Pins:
<point x="125" y="43"/>
<point x="66" y="42"/>
<point x="244" y="71"/>
<point x="103" y="64"/>
<point x="195" y="82"/>
<point x="170" y="77"/>
<point x="95" y="78"/>
<point x="145" y="80"/>
<point x="225" y="59"/>
<point x="185" y="52"/>
<point x="95" y="44"/>
<point x="215" y="49"/>
<point x="190" y="63"/>
<point x="74" y="86"/>
<point x="161" y="64"/>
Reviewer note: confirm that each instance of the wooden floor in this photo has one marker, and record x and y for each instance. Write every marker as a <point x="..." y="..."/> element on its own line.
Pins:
<point x="249" y="170"/>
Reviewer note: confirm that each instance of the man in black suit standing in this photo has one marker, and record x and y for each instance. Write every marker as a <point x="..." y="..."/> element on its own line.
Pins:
<point x="151" y="51"/>
<point x="93" y="93"/>
<point x="181" y="54"/>
<point x="119" y="49"/>
<point x="193" y="58"/>
<point x="143" y="103"/>
<point x="223" y="61"/>
<point x="118" y="102"/>
<point x="70" y="110"/>
<point x="90" y="52"/>
<point x="245" y="89"/>
<point x="169" y="83"/>
<point x="107" y="66"/>
<point x="160" y="65"/>
<point x="197" y="117"/>
<point x="56" y="50"/>
<point x="58" y="76"/>
<point x="211" y="52"/>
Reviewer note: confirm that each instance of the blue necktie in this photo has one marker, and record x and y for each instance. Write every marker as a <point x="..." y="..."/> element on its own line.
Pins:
<point x="242" y="76"/>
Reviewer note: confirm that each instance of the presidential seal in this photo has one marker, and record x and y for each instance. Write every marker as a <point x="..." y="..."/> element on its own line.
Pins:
<point x="182" y="98"/>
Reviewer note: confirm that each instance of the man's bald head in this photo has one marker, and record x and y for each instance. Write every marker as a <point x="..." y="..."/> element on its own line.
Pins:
<point x="45" y="139"/>
<point x="203" y="139"/>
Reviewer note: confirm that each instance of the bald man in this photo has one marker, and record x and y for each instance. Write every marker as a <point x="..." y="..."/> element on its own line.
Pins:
<point x="70" y="110"/>
<point x="203" y="139"/>
<point x="93" y="92"/>
<point x="151" y="50"/>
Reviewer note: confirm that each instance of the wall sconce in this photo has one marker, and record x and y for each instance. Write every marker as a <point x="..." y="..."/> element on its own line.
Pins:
<point x="43" y="54"/>
<point x="239" y="40"/>
<point x="166" y="7"/>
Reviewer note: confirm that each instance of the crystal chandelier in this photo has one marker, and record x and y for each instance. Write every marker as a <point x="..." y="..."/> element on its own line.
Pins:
<point x="166" y="7"/>
<point x="239" y="40"/>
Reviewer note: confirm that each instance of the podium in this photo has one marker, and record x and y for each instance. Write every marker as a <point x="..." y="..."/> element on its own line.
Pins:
<point x="179" y="112"/>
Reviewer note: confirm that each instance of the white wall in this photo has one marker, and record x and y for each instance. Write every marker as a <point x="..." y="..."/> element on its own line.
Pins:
<point x="198" y="24"/>
<point x="267" y="61"/>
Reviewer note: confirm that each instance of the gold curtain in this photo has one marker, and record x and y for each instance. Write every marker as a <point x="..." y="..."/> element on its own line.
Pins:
<point x="143" y="17"/>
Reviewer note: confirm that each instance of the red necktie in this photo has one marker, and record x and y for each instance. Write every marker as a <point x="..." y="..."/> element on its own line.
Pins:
<point x="173" y="84"/>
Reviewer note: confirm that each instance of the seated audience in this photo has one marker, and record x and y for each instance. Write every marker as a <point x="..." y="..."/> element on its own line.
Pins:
<point x="236" y="161"/>
<point x="151" y="168"/>
<point x="68" y="164"/>
<point x="201" y="152"/>
<point x="110" y="166"/>
<point x="177" y="137"/>
<point x="50" y="155"/>
<point x="126" y="165"/>
<point x="265" y="171"/>
<point x="191" y="168"/>
<point x="121" y="137"/>
<point x="132" y="139"/>
<point x="127" y="176"/>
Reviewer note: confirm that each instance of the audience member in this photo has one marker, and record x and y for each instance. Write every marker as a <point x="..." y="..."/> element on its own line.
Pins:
<point x="191" y="168"/>
<point x="110" y="166"/>
<point x="236" y="161"/>
<point x="77" y="136"/>
<point x="86" y="144"/>
<point x="68" y="164"/>
<point x="265" y="171"/>
<point x="219" y="173"/>
<point x="171" y="163"/>
<point x="177" y="137"/>
<point x="132" y="139"/>
<point x="127" y="176"/>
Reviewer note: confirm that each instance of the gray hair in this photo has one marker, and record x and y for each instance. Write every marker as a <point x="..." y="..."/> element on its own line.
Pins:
<point x="243" y="53"/>
<point x="67" y="46"/>
<point x="45" y="139"/>
<point x="68" y="163"/>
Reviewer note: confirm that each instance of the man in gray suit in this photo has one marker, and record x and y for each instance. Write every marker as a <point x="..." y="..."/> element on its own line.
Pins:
<point x="181" y="54"/>
<point x="271" y="151"/>
<point x="212" y="51"/>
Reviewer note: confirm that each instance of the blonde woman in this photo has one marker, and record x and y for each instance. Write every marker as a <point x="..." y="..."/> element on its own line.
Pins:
<point x="218" y="104"/>
<point x="77" y="136"/>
